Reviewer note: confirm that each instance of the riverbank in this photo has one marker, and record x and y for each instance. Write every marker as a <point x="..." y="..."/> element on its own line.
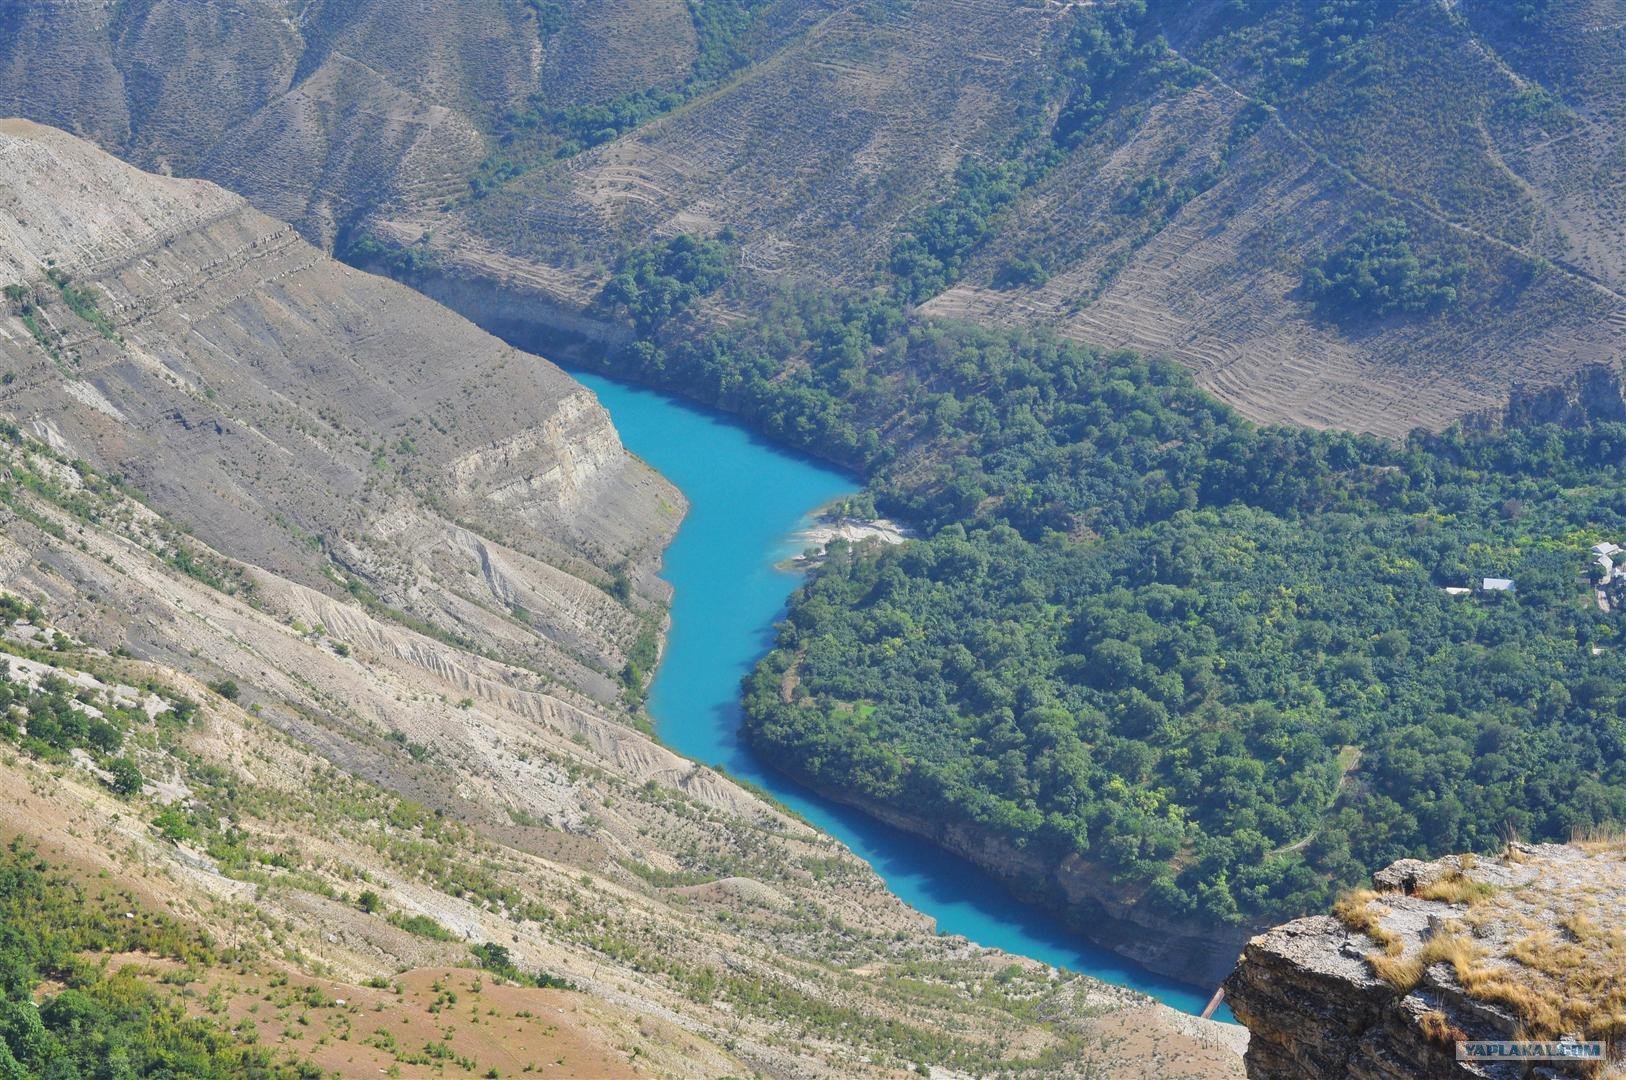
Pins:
<point x="1079" y="895"/>
<point x="831" y="525"/>
<point x="731" y="587"/>
<point x="749" y="514"/>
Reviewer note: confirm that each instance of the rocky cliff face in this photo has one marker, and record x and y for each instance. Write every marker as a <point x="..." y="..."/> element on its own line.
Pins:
<point x="1594" y="394"/>
<point x="322" y="423"/>
<point x="1526" y="945"/>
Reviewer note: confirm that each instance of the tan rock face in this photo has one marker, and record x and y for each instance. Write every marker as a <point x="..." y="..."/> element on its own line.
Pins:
<point x="315" y="420"/>
<point x="1526" y="945"/>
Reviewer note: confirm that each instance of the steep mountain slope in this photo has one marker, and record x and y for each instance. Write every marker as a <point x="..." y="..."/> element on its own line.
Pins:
<point x="316" y="111"/>
<point x="368" y="751"/>
<point x="1180" y="220"/>
<point x="813" y="154"/>
<point x="1184" y="222"/>
<point x="317" y="421"/>
<point x="1185" y="161"/>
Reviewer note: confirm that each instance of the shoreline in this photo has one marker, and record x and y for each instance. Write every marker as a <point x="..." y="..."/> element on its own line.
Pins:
<point x="830" y="525"/>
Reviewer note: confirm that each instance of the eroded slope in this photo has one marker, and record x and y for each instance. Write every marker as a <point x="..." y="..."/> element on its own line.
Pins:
<point x="319" y="422"/>
<point x="366" y="762"/>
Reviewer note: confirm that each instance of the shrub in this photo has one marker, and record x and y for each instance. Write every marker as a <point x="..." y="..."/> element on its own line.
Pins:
<point x="1377" y="272"/>
<point x="1021" y="273"/>
<point x="126" y="776"/>
<point x="656" y="282"/>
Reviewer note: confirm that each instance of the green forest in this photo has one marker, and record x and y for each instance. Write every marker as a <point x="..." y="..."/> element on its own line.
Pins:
<point x="1217" y="659"/>
<point x="92" y="1023"/>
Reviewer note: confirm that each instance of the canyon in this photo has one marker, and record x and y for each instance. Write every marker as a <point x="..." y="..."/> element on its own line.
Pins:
<point x="402" y="567"/>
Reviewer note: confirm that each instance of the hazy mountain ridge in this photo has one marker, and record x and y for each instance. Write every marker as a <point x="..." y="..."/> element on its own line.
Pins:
<point x="1495" y="136"/>
<point x="315" y="111"/>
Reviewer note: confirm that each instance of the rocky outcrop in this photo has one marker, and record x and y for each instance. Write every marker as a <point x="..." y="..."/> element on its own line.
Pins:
<point x="1594" y="394"/>
<point x="1521" y="946"/>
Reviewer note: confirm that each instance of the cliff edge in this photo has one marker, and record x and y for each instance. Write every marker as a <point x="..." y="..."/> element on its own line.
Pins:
<point x="1529" y="945"/>
<point x="321" y="423"/>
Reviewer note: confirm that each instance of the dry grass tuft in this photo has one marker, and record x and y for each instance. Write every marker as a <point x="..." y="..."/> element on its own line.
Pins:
<point x="1457" y="888"/>
<point x="1354" y="909"/>
<point x="1401" y="972"/>
<point x="1600" y="839"/>
<point x="1405" y="972"/>
<point x="1438" y="1029"/>
<point x="1556" y="985"/>
<point x="1551" y="950"/>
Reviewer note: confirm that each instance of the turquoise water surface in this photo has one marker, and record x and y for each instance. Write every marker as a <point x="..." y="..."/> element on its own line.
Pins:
<point x="746" y="498"/>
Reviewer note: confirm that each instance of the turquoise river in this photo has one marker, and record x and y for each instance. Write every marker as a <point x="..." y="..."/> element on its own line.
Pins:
<point x="746" y="500"/>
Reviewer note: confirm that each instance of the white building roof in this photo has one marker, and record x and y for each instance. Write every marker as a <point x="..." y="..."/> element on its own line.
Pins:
<point x="1498" y="584"/>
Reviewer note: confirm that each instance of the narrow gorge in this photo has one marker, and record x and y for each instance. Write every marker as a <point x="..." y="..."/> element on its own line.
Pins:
<point x="391" y="583"/>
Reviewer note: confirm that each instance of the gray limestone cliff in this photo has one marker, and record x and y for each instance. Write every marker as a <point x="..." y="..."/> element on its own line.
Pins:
<point x="320" y="422"/>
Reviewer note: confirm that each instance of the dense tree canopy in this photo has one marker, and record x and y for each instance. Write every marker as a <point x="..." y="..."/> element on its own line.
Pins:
<point x="1377" y="272"/>
<point x="1216" y="659"/>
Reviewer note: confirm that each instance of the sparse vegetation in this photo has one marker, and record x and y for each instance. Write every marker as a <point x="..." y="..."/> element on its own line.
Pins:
<point x="81" y="300"/>
<point x="1546" y="951"/>
<point x="92" y="1018"/>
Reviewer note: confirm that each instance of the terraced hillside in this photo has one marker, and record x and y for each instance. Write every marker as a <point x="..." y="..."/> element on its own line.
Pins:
<point x="813" y="154"/>
<point x="313" y="602"/>
<point x="1182" y="162"/>
<point x="1184" y="222"/>
<point x="1228" y="152"/>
